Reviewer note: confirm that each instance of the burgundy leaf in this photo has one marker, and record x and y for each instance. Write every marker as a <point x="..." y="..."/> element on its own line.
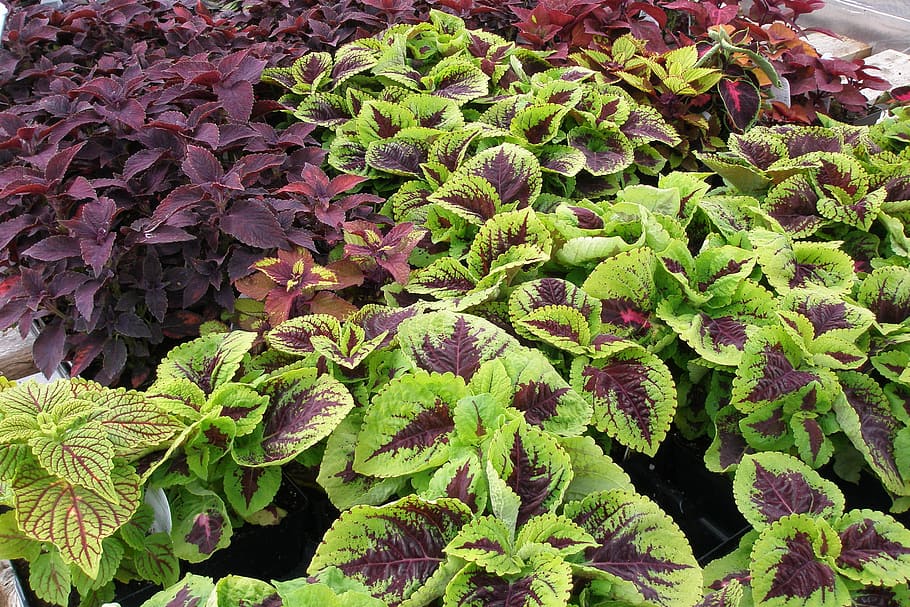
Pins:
<point x="49" y="347"/>
<point x="54" y="248"/>
<point x="252" y="223"/>
<point x="741" y="100"/>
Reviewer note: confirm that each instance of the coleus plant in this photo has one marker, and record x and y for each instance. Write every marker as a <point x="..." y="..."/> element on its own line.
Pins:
<point x="141" y="177"/>
<point x="805" y="549"/>
<point x="421" y="109"/>
<point x="69" y="463"/>
<point x="486" y="436"/>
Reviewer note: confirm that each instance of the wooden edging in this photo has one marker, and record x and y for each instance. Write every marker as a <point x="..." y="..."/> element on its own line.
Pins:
<point x="16" y="355"/>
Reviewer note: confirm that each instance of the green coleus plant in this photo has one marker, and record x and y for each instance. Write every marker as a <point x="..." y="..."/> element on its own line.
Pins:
<point x="805" y="549"/>
<point x="70" y="469"/>
<point x="439" y="111"/>
<point x="483" y="438"/>
<point x="241" y="425"/>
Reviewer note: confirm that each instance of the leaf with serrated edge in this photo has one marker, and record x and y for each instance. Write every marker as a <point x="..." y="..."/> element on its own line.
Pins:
<point x="545" y="581"/>
<point x="74" y="519"/>
<point x="249" y="490"/>
<point x="450" y="342"/>
<point x="208" y="361"/>
<point x="82" y="457"/>
<point x="487" y="542"/>
<point x="395" y="550"/>
<point x="49" y="578"/>
<point x="791" y="565"/>
<point x="639" y="549"/>
<point x="409" y="424"/>
<point x="304" y="408"/>
<point x="532" y="463"/>
<point x="344" y="486"/>
<point x="875" y="548"/>
<point x="865" y="415"/>
<point x="557" y="532"/>
<point x="156" y="560"/>
<point x="192" y="591"/>
<point x="633" y="395"/>
<point x="769" y="486"/>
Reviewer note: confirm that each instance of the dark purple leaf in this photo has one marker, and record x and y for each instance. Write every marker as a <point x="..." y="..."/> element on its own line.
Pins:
<point x="49" y="347"/>
<point x="252" y="223"/>
<point x="54" y="248"/>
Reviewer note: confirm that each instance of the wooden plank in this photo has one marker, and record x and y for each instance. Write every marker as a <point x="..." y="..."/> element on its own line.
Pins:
<point x="893" y="66"/>
<point x="838" y="48"/>
<point x="16" y="355"/>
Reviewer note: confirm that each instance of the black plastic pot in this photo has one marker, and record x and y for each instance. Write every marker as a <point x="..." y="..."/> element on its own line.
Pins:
<point x="700" y="501"/>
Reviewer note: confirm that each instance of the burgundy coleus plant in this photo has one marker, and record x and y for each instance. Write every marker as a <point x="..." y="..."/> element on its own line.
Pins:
<point x="139" y="178"/>
<point x="321" y="194"/>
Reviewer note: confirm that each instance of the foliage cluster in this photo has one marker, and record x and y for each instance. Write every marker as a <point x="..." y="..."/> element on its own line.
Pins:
<point x="471" y="275"/>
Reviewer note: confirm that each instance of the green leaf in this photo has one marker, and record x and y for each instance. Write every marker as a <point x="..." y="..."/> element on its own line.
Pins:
<point x="111" y="559"/>
<point x="805" y="265"/>
<point x="208" y="361"/>
<point x="470" y="197"/>
<point x="84" y="458"/>
<point x="462" y="477"/>
<point x="239" y="403"/>
<point x="633" y="395"/>
<point x="556" y="532"/>
<point x="791" y="565"/>
<point x="561" y="159"/>
<point x="625" y="277"/>
<point x="538" y="124"/>
<point x="323" y="109"/>
<point x="448" y="342"/>
<point x="813" y="446"/>
<point x="74" y="519"/>
<point x="192" y="591"/>
<point x="865" y="415"/>
<point x="772" y="372"/>
<point x="131" y="420"/>
<point x="546" y="581"/>
<point x="15" y="544"/>
<point x="559" y="326"/>
<point x="509" y="241"/>
<point x="304" y="408"/>
<point x="543" y="396"/>
<point x="238" y="591"/>
<point x="156" y="560"/>
<point x="531" y="462"/>
<point x="345" y="486"/>
<point x="201" y="524"/>
<point x="769" y="486"/>
<point x="395" y="550"/>
<point x="504" y="501"/>
<point x="408" y="425"/>
<point x="460" y="82"/>
<point x="49" y="577"/>
<point x="382" y="120"/>
<point x="249" y="490"/>
<point x="487" y="542"/>
<point x="593" y="470"/>
<point x="886" y="292"/>
<point x="875" y="548"/>
<point x="640" y="550"/>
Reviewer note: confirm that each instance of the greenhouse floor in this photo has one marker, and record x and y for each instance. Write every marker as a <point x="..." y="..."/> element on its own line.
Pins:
<point x="884" y="24"/>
